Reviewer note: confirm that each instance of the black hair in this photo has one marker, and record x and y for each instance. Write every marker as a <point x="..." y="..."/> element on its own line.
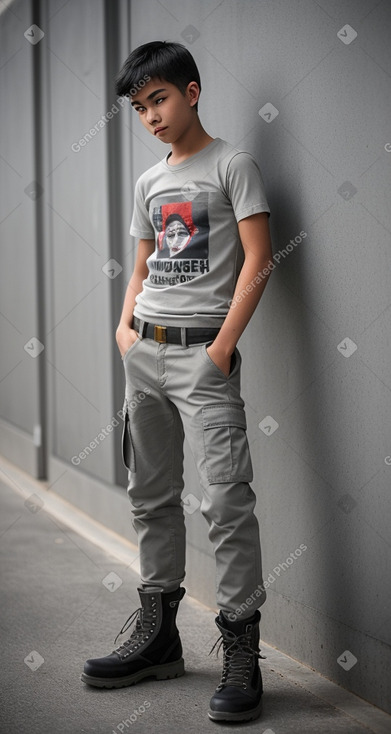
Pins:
<point x="176" y="218"/>
<point x="162" y="59"/>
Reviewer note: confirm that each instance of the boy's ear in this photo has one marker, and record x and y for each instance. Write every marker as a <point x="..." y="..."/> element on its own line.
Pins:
<point x="193" y="93"/>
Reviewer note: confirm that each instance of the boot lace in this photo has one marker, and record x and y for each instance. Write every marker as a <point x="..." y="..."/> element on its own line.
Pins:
<point x="238" y="660"/>
<point x="142" y="631"/>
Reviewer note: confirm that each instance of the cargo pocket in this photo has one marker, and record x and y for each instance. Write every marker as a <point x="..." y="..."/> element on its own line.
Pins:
<point x="227" y="453"/>
<point x="127" y="444"/>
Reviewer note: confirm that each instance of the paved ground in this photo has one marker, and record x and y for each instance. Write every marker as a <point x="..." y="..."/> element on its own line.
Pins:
<point x="56" y="612"/>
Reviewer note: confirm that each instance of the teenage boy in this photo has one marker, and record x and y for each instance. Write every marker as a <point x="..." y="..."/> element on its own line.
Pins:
<point x="201" y="219"/>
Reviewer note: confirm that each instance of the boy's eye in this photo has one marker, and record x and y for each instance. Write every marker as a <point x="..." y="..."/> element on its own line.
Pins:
<point x="141" y="108"/>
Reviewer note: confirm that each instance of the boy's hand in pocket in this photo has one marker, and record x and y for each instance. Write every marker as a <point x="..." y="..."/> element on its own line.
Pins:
<point x="125" y="337"/>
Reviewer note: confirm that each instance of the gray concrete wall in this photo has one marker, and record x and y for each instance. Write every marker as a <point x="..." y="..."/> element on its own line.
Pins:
<point x="316" y="373"/>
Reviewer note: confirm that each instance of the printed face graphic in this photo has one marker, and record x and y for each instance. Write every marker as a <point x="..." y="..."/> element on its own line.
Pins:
<point x="177" y="234"/>
<point x="177" y="229"/>
<point x="182" y="239"/>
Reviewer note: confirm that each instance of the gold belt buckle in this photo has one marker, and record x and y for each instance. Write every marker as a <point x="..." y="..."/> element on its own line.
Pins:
<point x="159" y="334"/>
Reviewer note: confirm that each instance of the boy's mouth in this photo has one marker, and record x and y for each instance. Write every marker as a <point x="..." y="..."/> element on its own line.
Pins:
<point x="159" y="130"/>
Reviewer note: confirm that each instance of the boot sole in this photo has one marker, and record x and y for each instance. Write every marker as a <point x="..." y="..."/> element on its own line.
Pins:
<point x="160" y="672"/>
<point x="241" y="716"/>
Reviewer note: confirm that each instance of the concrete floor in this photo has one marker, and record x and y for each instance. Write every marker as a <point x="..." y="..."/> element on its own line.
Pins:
<point x="59" y="607"/>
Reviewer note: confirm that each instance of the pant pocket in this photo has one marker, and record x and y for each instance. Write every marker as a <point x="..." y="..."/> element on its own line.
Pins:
<point x="128" y="456"/>
<point x="227" y="453"/>
<point x="130" y="349"/>
<point x="235" y="361"/>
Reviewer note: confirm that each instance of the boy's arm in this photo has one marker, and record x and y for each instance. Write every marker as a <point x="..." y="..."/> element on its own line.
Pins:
<point x="255" y="238"/>
<point x="125" y="335"/>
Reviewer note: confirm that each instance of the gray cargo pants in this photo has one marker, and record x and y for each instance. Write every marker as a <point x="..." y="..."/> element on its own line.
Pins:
<point x="173" y="390"/>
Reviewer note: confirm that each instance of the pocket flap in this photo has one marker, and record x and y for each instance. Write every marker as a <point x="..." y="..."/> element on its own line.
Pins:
<point x="227" y="414"/>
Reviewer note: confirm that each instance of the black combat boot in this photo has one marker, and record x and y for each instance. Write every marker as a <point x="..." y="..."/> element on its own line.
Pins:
<point x="154" y="648"/>
<point x="238" y="697"/>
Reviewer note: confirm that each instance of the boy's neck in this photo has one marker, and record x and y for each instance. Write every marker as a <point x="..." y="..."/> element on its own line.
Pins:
<point x="193" y="140"/>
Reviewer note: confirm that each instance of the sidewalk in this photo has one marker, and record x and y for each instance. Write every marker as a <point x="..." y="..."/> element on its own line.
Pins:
<point x="64" y="600"/>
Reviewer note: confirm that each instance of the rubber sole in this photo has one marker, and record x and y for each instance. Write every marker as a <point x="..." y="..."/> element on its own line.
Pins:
<point x="230" y="716"/>
<point x="159" y="672"/>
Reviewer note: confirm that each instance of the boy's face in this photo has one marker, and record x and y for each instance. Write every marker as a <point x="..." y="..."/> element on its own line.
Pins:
<point x="164" y="111"/>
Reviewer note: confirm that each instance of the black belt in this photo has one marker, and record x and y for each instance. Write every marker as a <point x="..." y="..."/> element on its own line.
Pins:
<point x="174" y="334"/>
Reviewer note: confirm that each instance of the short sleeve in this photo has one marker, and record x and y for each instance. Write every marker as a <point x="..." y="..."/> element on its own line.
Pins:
<point x="141" y="225"/>
<point x="245" y="187"/>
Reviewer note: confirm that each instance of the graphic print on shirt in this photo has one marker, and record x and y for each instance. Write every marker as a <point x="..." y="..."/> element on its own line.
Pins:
<point x="182" y="239"/>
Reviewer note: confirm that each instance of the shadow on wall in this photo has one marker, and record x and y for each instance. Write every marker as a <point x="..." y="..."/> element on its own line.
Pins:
<point x="315" y="427"/>
<point x="307" y="427"/>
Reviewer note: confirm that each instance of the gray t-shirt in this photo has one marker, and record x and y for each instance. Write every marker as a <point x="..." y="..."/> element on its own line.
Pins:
<point x="191" y="210"/>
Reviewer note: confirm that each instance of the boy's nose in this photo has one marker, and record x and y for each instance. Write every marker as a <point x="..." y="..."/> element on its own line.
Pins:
<point x="152" y="117"/>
